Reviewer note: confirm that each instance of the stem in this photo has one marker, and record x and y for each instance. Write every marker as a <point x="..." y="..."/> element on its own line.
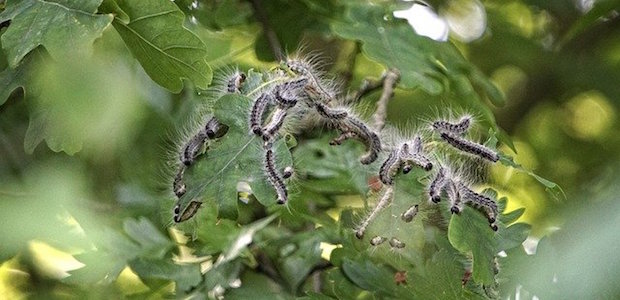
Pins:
<point x="389" y="82"/>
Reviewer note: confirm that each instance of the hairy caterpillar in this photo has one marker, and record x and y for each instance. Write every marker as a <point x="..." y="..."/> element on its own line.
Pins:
<point x="480" y="200"/>
<point x="470" y="147"/>
<point x="287" y="172"/>
<point x="274" y="178"/>
<point x="256" y="114"/>
<point x="389" y="168"/>
<point x="329" y="113"/>
<point x="455" y="128"/>
<point x="192" y="148"/>
<point x="434" y="189"/>
<point x="235" y="81"/>
<point x="454" y="195"/>
<point x="275" y="124"/>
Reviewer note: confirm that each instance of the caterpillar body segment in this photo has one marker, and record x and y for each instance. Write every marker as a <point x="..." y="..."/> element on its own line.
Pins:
<point x="275" y="124"/>
<point x="459" y="128"/>
<point x="257" y="112"/>
<point x="454" y="195"/>
<point x="272" y="175"/>
<point x="178" y="186"/>
<point x="470" y="147"/>
<point x="342" y="137"/>
<point x="434" y="188"/>
<point x="479" y="200"/>
<point x="389" y="168"/>
<point x="329" y="113"/>
<point x="193" y="147"/>
<point x="235" y="81"/>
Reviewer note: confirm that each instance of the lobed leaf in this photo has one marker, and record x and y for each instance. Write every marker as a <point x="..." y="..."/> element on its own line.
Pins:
<point x="63" y="27"/>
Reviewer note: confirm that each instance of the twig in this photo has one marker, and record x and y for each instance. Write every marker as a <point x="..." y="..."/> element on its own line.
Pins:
<point x="391" y="79"/>
<point x="272" y="38"/>
<point x="386" y="198"/>
<point x="368" y="86"/>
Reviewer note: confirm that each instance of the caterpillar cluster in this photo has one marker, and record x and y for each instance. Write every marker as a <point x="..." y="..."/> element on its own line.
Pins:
<point x="193" y="147"/>
<point x="444" y="182"/>
<point x="301" y="85"/>
<point x="297" y="90"/>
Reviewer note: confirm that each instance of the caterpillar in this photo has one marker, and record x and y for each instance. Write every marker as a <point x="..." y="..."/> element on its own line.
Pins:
<point x="377" y="240"/>
<point x="178" y="187"/>
<point x="455" y="128"/>
<point x="274" y="178"/>
<point x="470" y="147"/>
<point x="275" y="124"/>
<point x="256" y="114"/>
<point x="235" y="81"/>
<point x="386" y="172"/>
<point x="434" y="189"/>
<point x="454" y="195"/>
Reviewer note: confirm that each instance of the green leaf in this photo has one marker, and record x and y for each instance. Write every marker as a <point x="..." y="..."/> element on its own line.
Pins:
<point x="441" y="279"/>
<point x="18" y="77"/>
<point x="86" y="102"/>
<point x="185" y="276"/>
<point x="62" y="27"/>
<point x="167" y="51"/>
<point x="296" y="266"/>
<point x="238" y="156"/>
<point x="111" y="6"/>
<point x="113" y="250"/>
<point x="332" y="169"/>
<point x="469" y="232"/>
<point x="369" y="276"/>
<point x="244" y="239"/>
<point x="423" y="63"/>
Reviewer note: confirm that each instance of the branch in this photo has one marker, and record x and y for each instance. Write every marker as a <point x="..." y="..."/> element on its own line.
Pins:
<point x="272" y="38"/>
<point x="389" y="82"/>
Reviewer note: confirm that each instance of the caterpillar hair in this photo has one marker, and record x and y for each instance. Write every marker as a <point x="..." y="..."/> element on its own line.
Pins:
<point x="454" y="195"/>
<point x="455" y="128"/>
<point x="410" y="213"/>
<point x="178" y="187"/>
<point x="287" y="172"/>
<point x="235" y="81"/>
<point x="434" y="188"/>
<point x="389" y="168"/>
<point x="417" y="145"/>
<point x="470" y="147"/>
<point x="396" y="243"/>
<point x="377" y="240"/>
<point x="188" y="212"/>
<point x="275" y="124"/>
<point x="386" y="198"/>
<point x="414" y="156"/>
<point x="256" y="114"/>
<point x="479" y="200"/>
<point x="192" y="148"/>
<point x="274" y="178"/>
<point x="368" y="137"/>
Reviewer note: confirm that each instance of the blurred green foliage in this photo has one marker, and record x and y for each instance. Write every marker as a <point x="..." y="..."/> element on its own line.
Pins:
<point x="95" y="94"/>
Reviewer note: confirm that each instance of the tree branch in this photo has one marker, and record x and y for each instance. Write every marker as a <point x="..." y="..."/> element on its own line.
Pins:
<point x="272" y="38"/>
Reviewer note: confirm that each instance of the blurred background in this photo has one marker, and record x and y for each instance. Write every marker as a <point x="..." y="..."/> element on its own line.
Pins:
<point x="88" y="151"/>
